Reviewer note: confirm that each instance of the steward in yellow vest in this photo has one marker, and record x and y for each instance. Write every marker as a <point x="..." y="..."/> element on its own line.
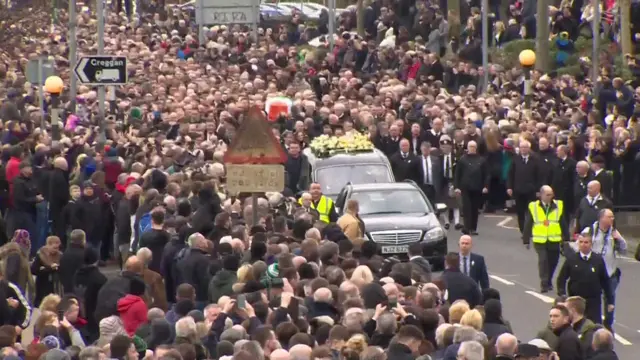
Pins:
<point x="325" y="207"/>
<point x="546" y="226"/>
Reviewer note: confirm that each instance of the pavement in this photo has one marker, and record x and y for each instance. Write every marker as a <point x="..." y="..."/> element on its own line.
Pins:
<point x="513" y="271"/>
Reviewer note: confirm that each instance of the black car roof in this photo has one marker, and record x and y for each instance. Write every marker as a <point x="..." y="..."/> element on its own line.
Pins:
<point x="384" y="186"/>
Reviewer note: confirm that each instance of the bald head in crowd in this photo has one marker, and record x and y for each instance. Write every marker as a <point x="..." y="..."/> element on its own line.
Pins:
<point x="134" y="265"/>
<point x="237" y="245"/>
<point x="61" y="163"/>
<point x="349" y="289"/>
<point x="593" y="188"/>
<point x="602" y="340"/>
<point x="323" y="295"/>
<point x="313" y="234"/>
<point x="391" y="289"/>
<point x="506" y="345"/>
<point x="300" y="352"/>
<point x="582" y="167"/>
<point x="279" y="354"/>
<point x="298" y="260"/>
<point x="145" y="256"/>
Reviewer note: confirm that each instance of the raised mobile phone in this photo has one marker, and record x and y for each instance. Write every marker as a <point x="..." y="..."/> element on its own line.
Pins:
<point x="242" y="301"/>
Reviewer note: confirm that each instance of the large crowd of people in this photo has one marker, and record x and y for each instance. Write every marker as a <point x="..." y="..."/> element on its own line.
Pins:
<point x="200" y="280"/>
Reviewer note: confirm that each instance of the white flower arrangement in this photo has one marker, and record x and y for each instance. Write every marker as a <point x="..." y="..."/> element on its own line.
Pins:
<point x="325" y="145"/>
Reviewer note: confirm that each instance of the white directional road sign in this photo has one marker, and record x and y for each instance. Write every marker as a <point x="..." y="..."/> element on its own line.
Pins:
<point x="222" y="12"/>
<point x="102" y="70"/>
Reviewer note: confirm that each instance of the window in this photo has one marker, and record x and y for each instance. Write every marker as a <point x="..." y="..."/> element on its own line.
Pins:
<point x="334" y="178"/>
<point x="391" y="201"/>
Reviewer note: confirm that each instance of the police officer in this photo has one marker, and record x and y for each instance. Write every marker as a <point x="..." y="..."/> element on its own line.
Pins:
<point x="547" y="227"/>
<point x="587" y="277"/>
<point x="322" y="204"/>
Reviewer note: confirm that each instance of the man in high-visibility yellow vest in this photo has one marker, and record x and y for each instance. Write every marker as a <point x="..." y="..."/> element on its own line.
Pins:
<point x="547" y="227"/>
<point x="322" y="204"/>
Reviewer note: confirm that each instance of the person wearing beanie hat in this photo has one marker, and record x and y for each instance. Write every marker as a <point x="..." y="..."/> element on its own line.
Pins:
<point x="132" y="308"/>
<point x="273" y="271"/>
<point x="89" y="209"/>
<point x="17" y="252"/>
<point x="109" y="328"/>
<point x="51" y="342"/>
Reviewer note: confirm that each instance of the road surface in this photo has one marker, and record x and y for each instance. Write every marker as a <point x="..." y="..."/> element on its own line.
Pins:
<point x="513" y="271"/>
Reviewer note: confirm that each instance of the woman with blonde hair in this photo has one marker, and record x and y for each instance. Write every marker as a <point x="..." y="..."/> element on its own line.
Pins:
<point x="457" y="311"/>
<point x="499" y="30"/>
<point x="50" y="303"/>
<point x="245" y="273"/>
<point x="354" y="347"/>
<point x="472" y="318"/>
<point x="362" y="275"/>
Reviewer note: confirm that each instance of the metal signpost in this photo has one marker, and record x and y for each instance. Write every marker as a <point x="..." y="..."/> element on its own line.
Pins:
<point x="225" y="12"/>
<point x="485" y="45"/>
<point x="254" y="160"/>
<point x="37" y="72"/>
<point x="73" y="45"/>
<point x="102" y="70"/>
<point x="332" y="23"/>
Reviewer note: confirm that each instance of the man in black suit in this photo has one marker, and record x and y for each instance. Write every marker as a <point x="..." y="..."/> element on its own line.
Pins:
<point x="427" y="172"/>
<point x="417" y="137"/>
<point x="393" y="144"/>
<point x="471" y="181"/>
<point x="587" y="277"/>
<point x="589" y="207"/>
<point x="458" y="285"/>
<point x="402" y="161"/>
<point x="580" y="182"/>
<point x="433" y="135"/>
<point x="472" y="264"/>
<point x="524" y="180"/>
<point x="604" y="177"/>
<point x="563" y="175"/>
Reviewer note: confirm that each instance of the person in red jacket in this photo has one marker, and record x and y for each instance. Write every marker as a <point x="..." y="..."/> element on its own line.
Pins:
<point x="13" y="169"/>
<point x="132" y="308"/>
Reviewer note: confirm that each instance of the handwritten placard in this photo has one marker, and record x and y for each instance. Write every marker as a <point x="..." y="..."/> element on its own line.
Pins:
<point x="254" y="178"/>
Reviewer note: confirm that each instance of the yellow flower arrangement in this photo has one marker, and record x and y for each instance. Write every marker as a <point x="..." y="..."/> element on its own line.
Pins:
<point x="325" y="145"/>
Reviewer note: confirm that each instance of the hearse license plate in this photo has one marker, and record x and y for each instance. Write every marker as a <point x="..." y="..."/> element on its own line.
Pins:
<point x="397" y="249"/>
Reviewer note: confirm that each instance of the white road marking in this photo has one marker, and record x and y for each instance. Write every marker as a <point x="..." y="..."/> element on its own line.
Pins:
<point x="499" y="279"/>
<point x="505" y="221"/>
<point x="629" y="259"/>
<point x="544" y="298"/>
<point x="622" y="340"/>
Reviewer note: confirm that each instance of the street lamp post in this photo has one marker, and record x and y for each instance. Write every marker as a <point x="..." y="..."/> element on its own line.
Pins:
<point x="527" y="60"/>
<point x="54" y="86"/>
